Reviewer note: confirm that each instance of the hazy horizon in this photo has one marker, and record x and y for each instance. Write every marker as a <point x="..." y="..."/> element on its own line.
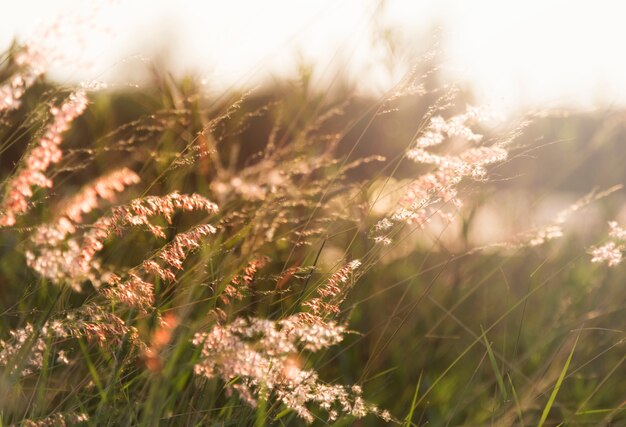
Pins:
<point x="535" y="55"/>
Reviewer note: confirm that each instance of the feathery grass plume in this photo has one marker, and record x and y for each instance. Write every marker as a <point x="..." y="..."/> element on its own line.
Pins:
<point x="48" y="252"/>
<point x="175" y="252"/>
<point x="133" y="292"/>
<point x="138" y="293"/>
<point x="257" y="358"/>
<point x="58" y="419"/>
<point x="104" y="187"/>
<point x="610" y="252"/>
<point x="12" y="349"/>
<point x="439" y="128"/>
<point x="72" y="260"/>
<point x="435" y="193"/>
<point x="331" y="294"/>
<point x="238" y="285"/>
<point x="30" y="65"/>
<point x="24" y="352"/>
<point x="70" y="211"/>
<point x="554" y="229"/>
<point x="18" y="189"/>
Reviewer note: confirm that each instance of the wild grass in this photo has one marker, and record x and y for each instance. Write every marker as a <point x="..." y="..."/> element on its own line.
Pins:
<point x="172" y="258"/>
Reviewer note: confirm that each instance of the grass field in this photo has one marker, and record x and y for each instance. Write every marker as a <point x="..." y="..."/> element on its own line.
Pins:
<point x="293" y="256"/>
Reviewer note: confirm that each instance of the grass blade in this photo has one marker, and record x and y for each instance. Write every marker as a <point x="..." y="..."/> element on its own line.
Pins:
<point x="518" y="407"/>
<point x="494" y="365"/>
<point x="409" y="417"/>
<point x="557" y="386"/>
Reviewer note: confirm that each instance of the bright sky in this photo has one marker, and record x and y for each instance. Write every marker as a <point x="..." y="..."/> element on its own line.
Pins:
<point x="546" y="53"/>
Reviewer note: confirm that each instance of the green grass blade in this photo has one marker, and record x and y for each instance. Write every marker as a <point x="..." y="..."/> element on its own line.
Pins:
<point x="380" y="374"/>
<point x="92" y="370"/>
<point x="494" y="365"/>
<point x="261" y="412"/>
<point x="518" y="407"/>
<point x="595" y="411"/>
<point x="557" y="386"/>
<point x="409" y="417"/>
<point x="282" y="414"/>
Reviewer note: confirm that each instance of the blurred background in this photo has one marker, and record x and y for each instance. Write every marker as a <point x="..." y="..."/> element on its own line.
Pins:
<point x="513" y="56"/>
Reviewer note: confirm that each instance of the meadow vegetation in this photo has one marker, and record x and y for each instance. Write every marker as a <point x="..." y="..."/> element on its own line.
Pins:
<point x="293" y="256"/>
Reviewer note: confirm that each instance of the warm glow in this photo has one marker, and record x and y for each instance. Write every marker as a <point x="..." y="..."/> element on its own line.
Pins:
<point x="535" y="53"/>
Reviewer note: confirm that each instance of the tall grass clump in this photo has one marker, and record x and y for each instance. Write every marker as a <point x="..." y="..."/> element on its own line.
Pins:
<point x="172" y="258"/>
